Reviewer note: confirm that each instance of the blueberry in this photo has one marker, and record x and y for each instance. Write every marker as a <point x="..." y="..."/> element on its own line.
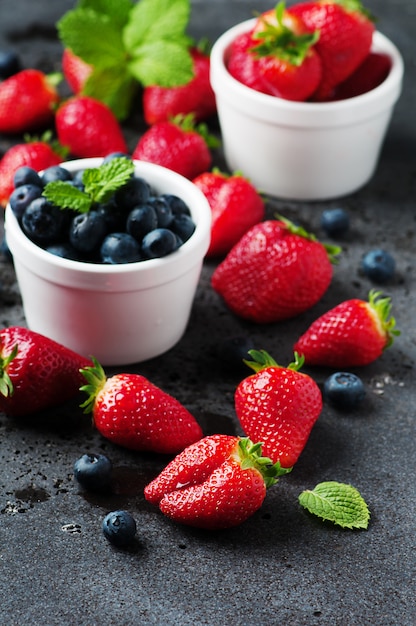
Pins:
<point x="54" y="173"/>
<point x="120" y="248"/>
<point x="43" y="222"/>
<point x="141" y="220"/>
<point x="87" y="232"/>
<point x="378" y="265"/>
<point x="93" y="472"/>
<point x="177" y="205"/>
<point x="233" y="350"/>
<point x="64" y="250"/>
<point x="344" y="390"/>
<point x="9" y="64"/>
<point x="163" y="211"/>
<point x="115" y="155"/>
<point x="25" y="175"/>
<point x="134" y="193"/>
<point x="119" y="528"/>
<point x="114" y="219"/>
<point x="335" y="222"/>
<point x="158" y="243"/>
<point x="22" y="196"/>
<point x="183" y="226"/>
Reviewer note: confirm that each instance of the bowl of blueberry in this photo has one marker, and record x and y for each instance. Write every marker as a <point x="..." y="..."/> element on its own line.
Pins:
<point x="108" y="254"/>
<point x="305" y="95"/>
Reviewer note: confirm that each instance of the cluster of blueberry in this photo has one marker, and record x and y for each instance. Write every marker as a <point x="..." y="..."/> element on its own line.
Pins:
<point x="135" y="225"/>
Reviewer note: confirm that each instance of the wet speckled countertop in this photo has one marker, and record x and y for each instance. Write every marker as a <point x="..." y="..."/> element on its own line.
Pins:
<point x="282" y="566"/>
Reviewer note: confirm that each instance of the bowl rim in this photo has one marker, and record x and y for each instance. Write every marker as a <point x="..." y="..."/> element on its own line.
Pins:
<point x="199" y="240"/>
<point x="389" y="89"/>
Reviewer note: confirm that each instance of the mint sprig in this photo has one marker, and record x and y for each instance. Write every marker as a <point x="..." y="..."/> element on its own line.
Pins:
<point x="99" y="185"/>
<point x="129" y="45"/>
<point x="337" y="502"/>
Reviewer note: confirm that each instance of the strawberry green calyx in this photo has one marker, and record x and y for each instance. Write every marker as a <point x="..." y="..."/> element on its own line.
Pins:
<point x="249" y="456"/>
<point x="355" y="6"/>
<point x="382" y="307"/>
<point x="96" y="379"/>
<point x="187" y="124"/>
<point x="280" y="41"/>
<point x="262" y="360"/>
<point x="295" y="229"/>
<point x="6" y="385"/>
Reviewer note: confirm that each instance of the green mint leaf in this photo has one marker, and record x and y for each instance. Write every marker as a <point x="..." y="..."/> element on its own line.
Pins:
<point x="118" y="10"/>
<point x="66" y="196"/>
<point x="164" y="63"/>
<point x="93" y="37"/>
<point x="151" y="20"/>
<point x="101" y="182"/>
<point x="338" y="503"/>
<point x="115" y="87"/>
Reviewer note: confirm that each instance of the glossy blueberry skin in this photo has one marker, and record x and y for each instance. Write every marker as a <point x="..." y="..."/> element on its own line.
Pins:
<point x="87" y="232"/>
<point x="64" y="250"/>
<point x="54" y="173"/>
<point x="25" y="175"/>
<point x="378" y="265"/>
<point x="93" y="472"/>
<point x="119" y="528"/>
<point x="9" y="64"/>
<point x="177" y="205"/>
<point x="135" y="193"/>
<point x="163" y="211"/>
<point x="42" y="222"/>
<point x="344" y="390"/>
<point x="158" y="243"/>
<point x="116" y="155"/>
<point x="141" y="220"/>
<point x="183" y="226"/>
<point x="120" y="248"/>
<point x="335" y="222"/>
<point x="22" y="196"/>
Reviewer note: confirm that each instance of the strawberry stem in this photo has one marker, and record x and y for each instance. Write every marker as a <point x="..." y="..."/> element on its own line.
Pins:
<point x="250" y="456"/>
<point x="96" y="379"/>
<point x="6" y="385"/>
<point x="382" y="307"/>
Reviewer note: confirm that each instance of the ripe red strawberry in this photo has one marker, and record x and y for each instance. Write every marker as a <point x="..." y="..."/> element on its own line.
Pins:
<point x="75" y="70"/>
<point x="280" y="51"/>
<point x="89" y="128"/>
<point x="346" y="33"/>
<point x="132" y="412"/>
<point x="27" y="101"/>
<point x="370" y="74"/>
<point x="36" y="373"/>
<point x="37" y="154"/>
<point x="276" y="271"/>
<point x="353" y="333"/>
<point x="216" y="483"/>
<point x="178" y="145"/>
<point x="235" y="204"/>
<point x="160" y="104"/>
<point x="278" y="406"/>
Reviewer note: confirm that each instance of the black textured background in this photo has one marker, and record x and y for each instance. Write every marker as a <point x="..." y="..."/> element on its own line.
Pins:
<point x="282" y="566"/>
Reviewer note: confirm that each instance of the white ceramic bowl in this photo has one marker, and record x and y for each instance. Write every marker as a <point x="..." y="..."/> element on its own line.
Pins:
<point x="303" y="150"/>
<point x="119" y="314"/>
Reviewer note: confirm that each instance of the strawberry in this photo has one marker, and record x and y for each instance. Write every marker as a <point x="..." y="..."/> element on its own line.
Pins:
<point x="215" y="483"/>
<point x="243" y="65"/>
<point x="37" y="154"/>
<point x="345" y="37"/>
<point x="280" y="51"/>
<point x="27" y="101"/>
<point x="278" y="406"/>
<point x="354" y="333"/>
<point x="276" y="271"/>
<point x="235" y="204"/>
<point x="132" y="412"/>
<point x="370" y="74"/>
<point x="75" y="70"/>
<point x="178" y="145"/>
<point x="89" y="128"/>
<point x="36" y="373"/>
<point x="160" y="104"/>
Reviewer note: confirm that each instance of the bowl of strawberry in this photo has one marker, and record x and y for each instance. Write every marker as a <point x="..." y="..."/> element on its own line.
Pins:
<point x="305" y="96"/>
<point x="108" y="254"/>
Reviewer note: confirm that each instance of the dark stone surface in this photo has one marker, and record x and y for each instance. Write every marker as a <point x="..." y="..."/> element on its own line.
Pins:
<point x="281" y="566"/>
